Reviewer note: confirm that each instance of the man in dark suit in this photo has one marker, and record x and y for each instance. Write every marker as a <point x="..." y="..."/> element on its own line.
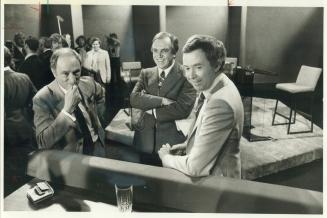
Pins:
<point x="32" y="65"/>
<point x="165" y="96"/>
<point x="45" y="55"/>
<point x="65" y="111"/>
<point x="19" y="135"/>
<point x="19" y="52"/>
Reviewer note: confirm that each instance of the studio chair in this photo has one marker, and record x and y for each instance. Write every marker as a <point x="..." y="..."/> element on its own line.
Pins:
<point x="131" y="71"/>
<point x="304" y="86"/>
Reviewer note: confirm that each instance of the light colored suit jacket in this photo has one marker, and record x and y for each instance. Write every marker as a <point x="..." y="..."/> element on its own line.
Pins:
<point x="146" y="96"/>
<point x="103" y="64"/>
<point x="54" y="130"/>
<point x="213" y="142"/>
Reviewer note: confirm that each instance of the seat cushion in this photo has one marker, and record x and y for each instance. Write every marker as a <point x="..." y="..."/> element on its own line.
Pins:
<point x="293" y="87"/>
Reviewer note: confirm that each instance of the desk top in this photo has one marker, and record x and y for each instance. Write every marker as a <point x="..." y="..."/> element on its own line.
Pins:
<point x="65" y="199"/>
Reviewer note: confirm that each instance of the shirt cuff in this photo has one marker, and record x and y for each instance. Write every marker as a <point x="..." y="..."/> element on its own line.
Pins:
<point x="68" y="115"/>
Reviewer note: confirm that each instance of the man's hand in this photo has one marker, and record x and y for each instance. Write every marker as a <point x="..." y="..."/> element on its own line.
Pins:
<point x="176" y="147"/>
<point x="164" y="150"/>
<point x="72" y="99"/>
<point x="167" y="101"/>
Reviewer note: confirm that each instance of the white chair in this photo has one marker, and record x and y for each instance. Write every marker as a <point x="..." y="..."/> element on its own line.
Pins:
<point x="131" y="71"/>
<point x="305" y="85"/>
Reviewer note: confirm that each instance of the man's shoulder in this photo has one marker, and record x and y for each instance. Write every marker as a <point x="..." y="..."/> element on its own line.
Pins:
<point x="46" y="92"/>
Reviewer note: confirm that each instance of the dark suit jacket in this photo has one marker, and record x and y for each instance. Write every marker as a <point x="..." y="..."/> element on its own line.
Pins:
<point x="35" y="69"/>
<point x="18" y="125"/>
<point x="45" y="58"/>
<point x="18" y="56"/>
<point x="146" y="96"/>
<point x="54" y="130"/>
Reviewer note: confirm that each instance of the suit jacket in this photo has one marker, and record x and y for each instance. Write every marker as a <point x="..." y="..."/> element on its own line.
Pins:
<point x="213" y="143"/>
<point x="54" y="130"/>
<point x="146" y="96"/>
<point x="18" y="118"/>
<point x="103" y="64"/>
<point x="18" y="56"/>
<point x="36" y="70"/>
<point x="45" y="58"/>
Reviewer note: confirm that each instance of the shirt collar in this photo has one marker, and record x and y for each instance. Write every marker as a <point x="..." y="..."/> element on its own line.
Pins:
<point x="29" y="55"/>
<point x="6" y="68"/>
<point x="167" y="70"/>
<point x="47" y="49"/>
<point x="207" y="92"/>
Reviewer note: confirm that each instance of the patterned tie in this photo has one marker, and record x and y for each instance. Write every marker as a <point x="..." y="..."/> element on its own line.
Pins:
<point x="199" y="104"/>
<point x="161" y="79"/>
<point x="88" y="142"/>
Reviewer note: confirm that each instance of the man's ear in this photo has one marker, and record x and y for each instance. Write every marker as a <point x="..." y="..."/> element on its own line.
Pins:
<point x="53" y="72"/>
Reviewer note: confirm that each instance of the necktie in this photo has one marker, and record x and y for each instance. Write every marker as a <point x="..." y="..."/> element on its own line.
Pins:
<point x="161" y="78"/>
<point x="199" y="104"/>
<point x="87" y="144"/>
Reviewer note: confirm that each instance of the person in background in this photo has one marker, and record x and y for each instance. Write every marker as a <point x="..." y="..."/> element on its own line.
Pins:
<point x="19" y="134"/>
<point x="56" y="41"/>
<point x="65" y="111"/>
<point x="98" y="63"/>
<point x="68" y="39"/>
<point x="19" y="52"/>
<point x="33" y="65"/>
<point x="114" y="54"/>
<point x="164" y="95"/>
<point x="45" y="56"/>
<point x="81" y="43"/>
<point x="213" y="143"/>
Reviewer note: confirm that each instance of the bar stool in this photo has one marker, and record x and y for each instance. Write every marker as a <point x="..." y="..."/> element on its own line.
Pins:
<point x="305" y="84"/>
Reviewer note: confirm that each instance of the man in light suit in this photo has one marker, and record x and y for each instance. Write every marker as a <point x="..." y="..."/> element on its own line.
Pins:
<point x="165" y="96"/>
<point x="98" y="62"/>
<point x="65" y="110"/>
<point x="212" y="146"/>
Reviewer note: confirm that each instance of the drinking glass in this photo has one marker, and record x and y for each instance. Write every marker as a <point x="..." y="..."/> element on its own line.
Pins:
<point x="124" y="196"/>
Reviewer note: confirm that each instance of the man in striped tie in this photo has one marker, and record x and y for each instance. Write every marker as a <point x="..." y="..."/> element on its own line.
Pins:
<point x="164" y="95"/>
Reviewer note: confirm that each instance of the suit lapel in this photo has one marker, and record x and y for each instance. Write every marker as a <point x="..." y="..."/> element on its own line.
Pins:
<point x="172" y="78"/>
<point x="58" y="95"/>
<point x="216" y="88"/>
<point x="153" y="80"/>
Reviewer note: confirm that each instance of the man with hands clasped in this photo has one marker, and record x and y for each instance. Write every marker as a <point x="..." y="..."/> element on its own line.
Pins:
<point x="65" y="111"/>
<point x="165" y="96"/>
<point x="213" y="143"/>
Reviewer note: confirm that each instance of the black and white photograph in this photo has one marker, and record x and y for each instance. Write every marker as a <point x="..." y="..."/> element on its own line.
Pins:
<point x="168" y="107"/>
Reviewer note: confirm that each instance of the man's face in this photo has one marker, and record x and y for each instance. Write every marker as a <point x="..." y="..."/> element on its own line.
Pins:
<point x="162" y="52"/>
<point x="21" y="41"/>
<point x="198" y="70"/>
<point x="68" y="71"/>
<point x="96" y="45"/>
<point x="56" y="45"/>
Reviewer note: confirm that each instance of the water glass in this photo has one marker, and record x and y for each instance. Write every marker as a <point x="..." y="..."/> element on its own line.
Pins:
<point x="124" y="196"/>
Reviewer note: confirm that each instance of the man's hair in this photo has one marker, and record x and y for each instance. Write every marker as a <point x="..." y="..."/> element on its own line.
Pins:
<point x="56" y="37"/>
<point x="93" y="39"/>
<point x="47" y="43"/>
<point x="80" y="37"/>
<point x="173" y="40"/>
<point x="213" y="49"/>
<point x="18" y="35"/>
<point x="32" y="43"/>
<point x="7" y="56"/>
<point x="62" y="52"/>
